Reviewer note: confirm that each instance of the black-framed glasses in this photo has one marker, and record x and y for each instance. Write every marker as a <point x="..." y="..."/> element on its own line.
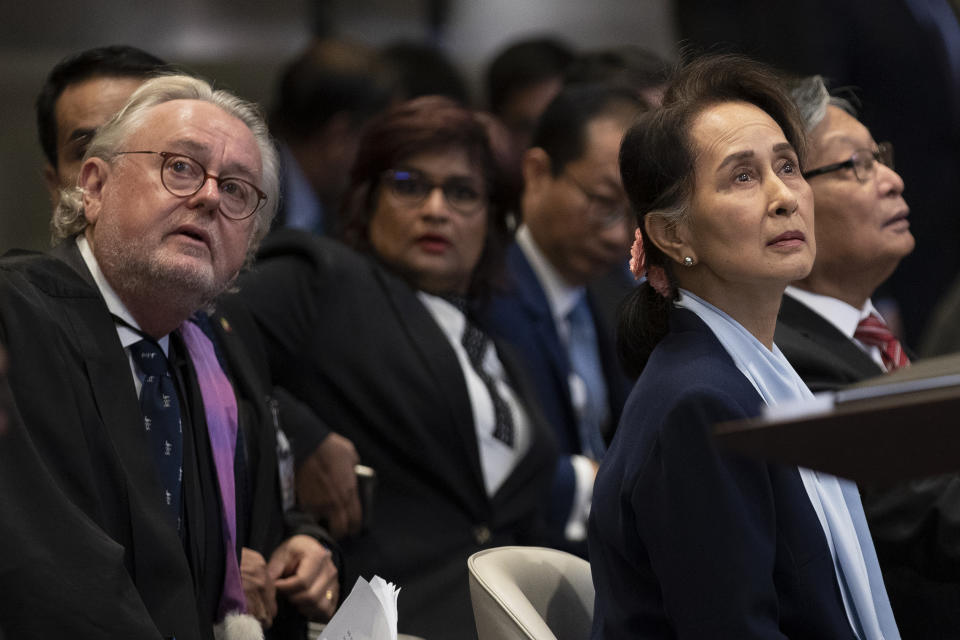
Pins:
<point x="410" y="188"/>
<point x="608" y="211"/>
<point x="863" y="162"/>
<point x="184" y="176"/>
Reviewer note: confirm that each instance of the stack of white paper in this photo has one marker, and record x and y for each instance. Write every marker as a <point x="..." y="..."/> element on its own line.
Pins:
<point x="368" y="613"/>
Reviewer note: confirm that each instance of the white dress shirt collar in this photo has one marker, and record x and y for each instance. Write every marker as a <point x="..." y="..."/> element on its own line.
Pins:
<point x="127" y="335"/>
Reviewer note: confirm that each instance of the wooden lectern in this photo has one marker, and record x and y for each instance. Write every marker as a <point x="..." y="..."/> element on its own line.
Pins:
<point x="888" y="429"/>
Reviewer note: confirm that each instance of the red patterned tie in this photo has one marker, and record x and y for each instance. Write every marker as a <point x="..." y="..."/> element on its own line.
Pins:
<point x="872" y="331"/>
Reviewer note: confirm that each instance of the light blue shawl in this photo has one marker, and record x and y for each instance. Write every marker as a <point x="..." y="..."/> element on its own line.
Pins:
<point x="836" y="501"/>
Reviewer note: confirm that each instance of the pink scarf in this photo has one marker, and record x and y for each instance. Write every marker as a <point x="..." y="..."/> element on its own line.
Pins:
<point x="220" y="409"/>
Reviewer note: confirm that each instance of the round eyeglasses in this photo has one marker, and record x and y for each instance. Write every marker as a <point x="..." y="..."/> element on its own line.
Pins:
<point x="183" y="177"/>
<point x="607" y="211"/>
<point x="863" y="162"/>
<point x="410" y="188"/>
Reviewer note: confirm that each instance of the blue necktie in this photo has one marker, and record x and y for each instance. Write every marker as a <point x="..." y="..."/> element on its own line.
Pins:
<point x="161" y="420"/>
<point x="593" y="411"/>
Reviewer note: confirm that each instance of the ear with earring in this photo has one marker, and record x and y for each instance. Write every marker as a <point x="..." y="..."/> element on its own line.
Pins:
<point x="688" y="261"/>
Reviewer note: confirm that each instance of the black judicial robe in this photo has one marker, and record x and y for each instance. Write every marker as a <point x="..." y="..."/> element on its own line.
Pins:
<point x="72" y="387"/>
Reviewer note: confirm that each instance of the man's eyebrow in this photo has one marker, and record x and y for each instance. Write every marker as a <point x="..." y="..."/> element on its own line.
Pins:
<point x="192" y="147"/>
<point x="782" y="146"/>
<point x="187" y="146"/>
<point x="82" y="133"/>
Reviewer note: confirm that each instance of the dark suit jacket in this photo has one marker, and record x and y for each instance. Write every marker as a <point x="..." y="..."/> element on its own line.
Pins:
<point x="824" y="357"/>
<point x="352" y="340"/>
<point x="63" y="345"/>
<point x="521" y="316"/>
<point x="689" y="542"/>
<point x="916" y="525"/>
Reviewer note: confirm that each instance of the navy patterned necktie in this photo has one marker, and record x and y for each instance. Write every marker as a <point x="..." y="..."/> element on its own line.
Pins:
<point x="161" y="421"/>
<point x="475" y="343"/>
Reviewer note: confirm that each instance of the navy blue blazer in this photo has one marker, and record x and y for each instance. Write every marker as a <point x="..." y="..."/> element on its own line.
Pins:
<point x="689" y="542"/>
<point x="521" y="316"/>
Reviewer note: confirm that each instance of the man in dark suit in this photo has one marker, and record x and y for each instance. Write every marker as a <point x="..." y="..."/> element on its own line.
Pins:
<point x="833" y="336"/>
<point x="179" y="490"/>
<point x="566" y="277"/>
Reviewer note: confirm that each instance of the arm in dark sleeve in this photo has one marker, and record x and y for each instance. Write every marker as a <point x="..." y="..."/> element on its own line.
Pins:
<point x="917" y="523"/>
<point x="303" y="427"/>
<point x="708" y="521"/>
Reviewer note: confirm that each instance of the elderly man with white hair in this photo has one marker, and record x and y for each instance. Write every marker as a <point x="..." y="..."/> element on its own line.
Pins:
<point x="147" y="410"/>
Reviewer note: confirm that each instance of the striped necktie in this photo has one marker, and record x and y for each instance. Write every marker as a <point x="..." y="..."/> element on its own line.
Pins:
<point x="872" y="331"/>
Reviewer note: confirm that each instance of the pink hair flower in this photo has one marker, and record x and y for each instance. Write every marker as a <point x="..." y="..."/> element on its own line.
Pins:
<point x="638" y="261"/>
<point x="656" y="275"/>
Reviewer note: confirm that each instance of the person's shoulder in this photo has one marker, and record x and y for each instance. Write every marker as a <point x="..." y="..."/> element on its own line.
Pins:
<point x="41" y="271"/>
<point x="296" y="248"/>
<point x="690" y="369"/>
<point x="691" y="352"/>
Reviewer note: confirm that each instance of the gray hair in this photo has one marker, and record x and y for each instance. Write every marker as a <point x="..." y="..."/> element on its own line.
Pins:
<point x="812" y="99"/>
<point x="68" y="218"/>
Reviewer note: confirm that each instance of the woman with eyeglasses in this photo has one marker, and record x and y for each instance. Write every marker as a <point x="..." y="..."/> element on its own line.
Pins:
<point x="379" y="339"/>
<point x="686" y="540"/>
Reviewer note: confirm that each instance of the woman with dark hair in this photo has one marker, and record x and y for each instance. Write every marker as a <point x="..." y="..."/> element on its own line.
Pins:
<point x="687" y="541"/>
<point x="378" y="339"/>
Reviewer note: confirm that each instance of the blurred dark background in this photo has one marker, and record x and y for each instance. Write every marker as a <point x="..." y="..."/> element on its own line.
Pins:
<point x="901" y="56"/>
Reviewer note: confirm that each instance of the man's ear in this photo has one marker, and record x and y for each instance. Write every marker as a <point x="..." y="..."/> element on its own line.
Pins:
<point x="93" y="180"/>
<point x="52" y="179"/>
<point x="537" y="180"/>
<point x="536" y="168"/>
<point x="671" y="239"/>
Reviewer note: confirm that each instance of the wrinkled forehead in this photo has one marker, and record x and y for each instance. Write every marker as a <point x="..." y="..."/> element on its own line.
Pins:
<point x="202" y="130"/>
<point x="732" y="127"/>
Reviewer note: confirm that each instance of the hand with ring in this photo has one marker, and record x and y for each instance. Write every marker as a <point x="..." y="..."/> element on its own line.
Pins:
<point x="304" y="572"/>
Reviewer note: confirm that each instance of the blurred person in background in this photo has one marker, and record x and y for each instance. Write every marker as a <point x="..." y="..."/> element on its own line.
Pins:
<point x="80" y="93"/>
<point x="566" y="278"/>
<point x="424" y="70"/>
<point x="323" y="98"/>
<point x="627" y="66"/>
<point x="522" y="79"/>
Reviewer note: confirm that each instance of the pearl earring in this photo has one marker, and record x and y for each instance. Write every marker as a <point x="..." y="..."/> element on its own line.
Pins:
<point x="687" y="261"/>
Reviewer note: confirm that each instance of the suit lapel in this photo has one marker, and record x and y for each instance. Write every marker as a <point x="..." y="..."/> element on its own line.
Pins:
<point x="534" y="302"/>
<point x="155" y="543"/>
<point x="439" y="359"/>
<point x="824" y="340"/>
